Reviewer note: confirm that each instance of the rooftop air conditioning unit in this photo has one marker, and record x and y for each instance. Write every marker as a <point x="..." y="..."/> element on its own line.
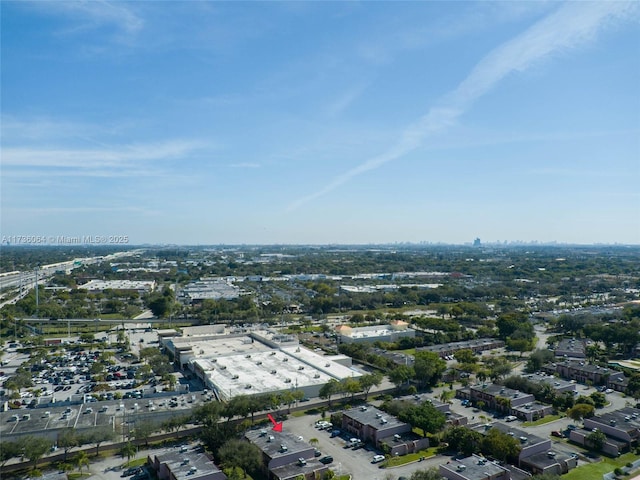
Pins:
<point x="271" y="438"/>
<point x="273" y="372"/>
<point x="378" y="415"/>
<point x="300" y="367"/>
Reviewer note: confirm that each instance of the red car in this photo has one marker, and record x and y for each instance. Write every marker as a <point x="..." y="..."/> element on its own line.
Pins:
<point x="558" y="434"/>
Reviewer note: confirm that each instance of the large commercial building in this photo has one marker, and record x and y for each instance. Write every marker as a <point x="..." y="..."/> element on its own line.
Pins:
<point x="140" y="286"/>
<point x="382" y="333"/>
<point x="255" y="362"/>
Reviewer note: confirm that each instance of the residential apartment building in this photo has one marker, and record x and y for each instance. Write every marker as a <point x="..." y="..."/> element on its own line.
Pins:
<point x="285" y="456"/>
<point x="474" y="468"/>
<point x="185" y="463"/>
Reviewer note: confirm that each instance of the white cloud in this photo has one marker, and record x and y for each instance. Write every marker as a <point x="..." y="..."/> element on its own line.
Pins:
<point x="117" y="156"/>
<point x="96" y="13"/>
<point x="568" y="27"/>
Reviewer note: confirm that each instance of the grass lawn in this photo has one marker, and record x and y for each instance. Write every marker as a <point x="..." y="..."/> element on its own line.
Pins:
<point x="411" y="457"/>
<point x="409" y="351"/>
<point x="77" y="475"/>
<point x="542" y="421"/>
<point x="136" y="463"/>
<point x="596" y="470"/>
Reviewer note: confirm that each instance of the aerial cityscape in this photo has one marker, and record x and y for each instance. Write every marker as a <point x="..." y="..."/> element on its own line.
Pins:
<point x="320" y="240"/>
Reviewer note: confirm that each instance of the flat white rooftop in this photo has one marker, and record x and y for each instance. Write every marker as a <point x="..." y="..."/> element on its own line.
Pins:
<point x="259" y="372"/>
<point x="322" y="363"/>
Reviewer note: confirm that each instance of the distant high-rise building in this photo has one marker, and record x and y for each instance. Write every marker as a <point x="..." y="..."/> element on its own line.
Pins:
<point x="476" y="242"/>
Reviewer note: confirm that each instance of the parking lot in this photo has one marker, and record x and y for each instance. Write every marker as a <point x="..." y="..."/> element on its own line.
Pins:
<point x="357" y="462"/>
<point x="96" y="414"/>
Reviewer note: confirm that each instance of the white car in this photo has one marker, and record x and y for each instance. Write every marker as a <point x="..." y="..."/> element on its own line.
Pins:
<point x="377" y="459"/>
<point x="608" y="390"/>
<point x="511" y="418"/>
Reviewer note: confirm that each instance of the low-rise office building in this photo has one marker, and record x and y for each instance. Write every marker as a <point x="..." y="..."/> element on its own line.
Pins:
<point x="531" y="412"/>
<point x="474" y="468"/>
<point x="372" y="425"/>
<point x="551" y="462"/>
<point x="530" y="444"/>
<point x="285" y="456"/>
<point x="495" y="397"/>
<point x="376" y="333"/>
<point x="582" y="372"/>
<point x="476" y="346"/>
<point x="185" y="463"/>
<point x="623" y="425"/>
<point x="557" y="384"/>
<point x="571" y="348"/>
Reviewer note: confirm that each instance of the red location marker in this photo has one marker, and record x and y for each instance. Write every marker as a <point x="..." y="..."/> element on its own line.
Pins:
<point x="277" y="427"/>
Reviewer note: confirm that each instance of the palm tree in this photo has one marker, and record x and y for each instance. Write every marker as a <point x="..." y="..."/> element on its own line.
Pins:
<point x="82" y="460"/>
<point x="128" y="450"/>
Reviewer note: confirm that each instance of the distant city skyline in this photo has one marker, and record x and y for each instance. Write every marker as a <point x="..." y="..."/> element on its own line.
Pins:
<point x="210" y="123"/>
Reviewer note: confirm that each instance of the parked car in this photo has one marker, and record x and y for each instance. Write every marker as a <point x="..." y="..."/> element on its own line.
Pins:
<point x="377" y="459"/>
<point x="326" y="460"/>
<point x="558" y="434"/>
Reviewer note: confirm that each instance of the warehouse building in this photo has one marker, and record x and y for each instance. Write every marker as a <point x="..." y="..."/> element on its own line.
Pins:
<point x="256" y="362"/>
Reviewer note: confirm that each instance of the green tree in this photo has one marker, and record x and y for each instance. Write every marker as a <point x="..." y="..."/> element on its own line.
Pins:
<point x="99" y="435"/>
<point x="128" y="450"/>
<point x="237" y="453"/>
<point x="596" y="440"/>
<point x="401" y="375"/>
<point x="539" y="358"/>
<point x="500" y="445"/>
<point x="68" y="439"/>
<point x="143" y="430"/>
<point x="9" y="450"/>
<point x="463" y="440"/>
<point x="82" y="460"/>
<point x="424" y="416"/>
<point x="368" y="381"/>
<point x="329" y="389"/>
<point x="599" y="399"/>
<point x="633" y="387"/>
<point x="428" y="368"/>
<point x="429" y="474"/>
<point x="580" y="411"/>
<point x="465" y="356"/>
<point x="35" y="448"/>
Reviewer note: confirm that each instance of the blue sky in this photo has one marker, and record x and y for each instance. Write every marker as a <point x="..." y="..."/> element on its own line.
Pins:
<point x="322" y="122"/>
